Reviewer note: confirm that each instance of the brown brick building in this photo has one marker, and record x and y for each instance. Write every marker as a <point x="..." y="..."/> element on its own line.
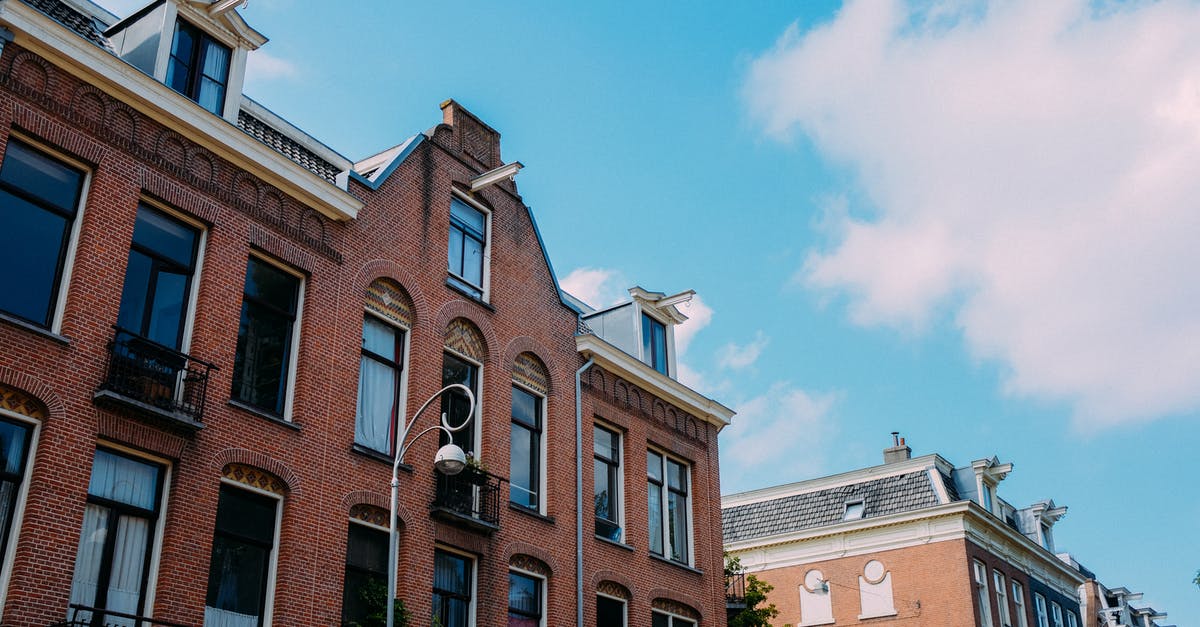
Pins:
<point x="212" y="324"/>
<point x="915" y="541"/>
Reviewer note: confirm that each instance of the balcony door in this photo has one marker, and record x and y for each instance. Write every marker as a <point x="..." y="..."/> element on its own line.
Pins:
<point x="158" y="279"/>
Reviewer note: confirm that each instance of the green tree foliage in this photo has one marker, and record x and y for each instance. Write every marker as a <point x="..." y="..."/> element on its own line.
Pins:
<point x="374" y="596"/>
<point x="756" y="594"/>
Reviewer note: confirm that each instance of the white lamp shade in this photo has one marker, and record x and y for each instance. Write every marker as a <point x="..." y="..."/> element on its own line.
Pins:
<point x="450" y="459"/>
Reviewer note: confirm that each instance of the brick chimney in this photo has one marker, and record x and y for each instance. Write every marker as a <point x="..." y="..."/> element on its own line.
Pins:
<point x="898" y="451"/>
<point x="472" y="137"/>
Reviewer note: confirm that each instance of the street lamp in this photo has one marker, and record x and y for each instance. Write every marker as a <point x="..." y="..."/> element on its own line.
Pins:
<point x="450" y="460"/>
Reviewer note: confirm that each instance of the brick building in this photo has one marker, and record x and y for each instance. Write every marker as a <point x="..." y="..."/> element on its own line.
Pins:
<point x="212" y="323"/>
<point x="915" y="541"/>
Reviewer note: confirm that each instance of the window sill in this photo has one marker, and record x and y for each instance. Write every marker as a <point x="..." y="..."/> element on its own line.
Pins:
<point x="621" y="545"/>
<point x="677" y="564"/>
<point x="866" y="617"/>
<point x="529" y="512"/>
<point x="471" y="297"/>
<point x="33" y="328"/>
<point x="264" y="415"/>
<point x="371" y="453"/>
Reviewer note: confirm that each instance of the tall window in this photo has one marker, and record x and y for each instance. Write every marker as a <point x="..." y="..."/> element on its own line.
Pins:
<point x="467" y="247"/>
<point x="1018" y="597"/>
<point x="1039" y="610"/>
<point x="654" y="343"/>
<point x="112" y="566"/>
<point x="199" y="67"/>
<point x="366" y="574"/>
<point x="14" y="451"/>
<point x="265" y="336"/>
<point x="1056" y="614"/>
<point x="1001" y="598"/>
<point x="455" y="404"/>
<point x="162" y="259"/>
<point x="668" y="507"/>
<point x="452" y="583"/>
<point x="241" y="559"/>
<point x="379" y="384"/>
<point x="610" y="612"/>
<point x="525" y="465"/>
<point x="659" y="619"/>
<point x="39" y="200"/>
<point x="1071" y="620"/>
<point x="607" y="474"/>
<point x="524" y="600"/>
<point x="981" y="595"/>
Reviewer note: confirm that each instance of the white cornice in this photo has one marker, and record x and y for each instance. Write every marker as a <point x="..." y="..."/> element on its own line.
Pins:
<point x="79" y="57"/>
<point x="621" y="363"/>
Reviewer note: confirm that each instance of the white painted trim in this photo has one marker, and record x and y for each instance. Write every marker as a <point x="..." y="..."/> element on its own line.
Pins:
<point x="79" y="57"/>
<point x="621" y="468"/>
<point x="623" y="364"/>
<point x="273" y="563"/>
<point x="624" y="606"/>
<point x="189" y="316"/>
<point x="673" y="616"/>
<point x="486" y="275"/>
<point x="19" y="509"/>
<point x="474" y="560"/>
<point x="368" y="525"/>
<point x="691" y="548"/>
<point x="542" y="439"/>
<point x="289" y="392"/>
<point x="477" y="428"/>
<point x="544" y="586"/>
<point x="402" y="401"/>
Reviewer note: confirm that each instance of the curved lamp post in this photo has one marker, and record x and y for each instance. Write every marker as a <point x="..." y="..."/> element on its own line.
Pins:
<point x="450" y="460"/>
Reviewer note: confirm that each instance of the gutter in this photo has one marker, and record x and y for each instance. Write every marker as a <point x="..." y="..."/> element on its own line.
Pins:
<point x="579" y="491"/>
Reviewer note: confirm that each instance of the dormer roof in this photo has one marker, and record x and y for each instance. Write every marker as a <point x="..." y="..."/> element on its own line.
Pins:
<point x="218" y="17"/>
<point x="662" y="304"/>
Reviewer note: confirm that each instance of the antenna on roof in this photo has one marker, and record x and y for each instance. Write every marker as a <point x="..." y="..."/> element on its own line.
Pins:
<point x="895" y="438"/>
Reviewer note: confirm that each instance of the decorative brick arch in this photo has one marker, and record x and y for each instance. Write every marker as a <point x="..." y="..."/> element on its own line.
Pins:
<point x="40" y="391"/>
<point x="521" y="553"/>
<point x="33" y="72"/>
<point x="374" y="499"/>
<point x="122" y="121"/>
<point x="247" y="457"/>
<point x="463" y="309"/>
<point x="202" y="164"/>
<point x="676" y="602"/>
<point x="386" y="269"/>
<point x="526" y="344"/>
<point x="171" y="148"/>
<point x="89" y="104"/>
<point x="605" y="580"/>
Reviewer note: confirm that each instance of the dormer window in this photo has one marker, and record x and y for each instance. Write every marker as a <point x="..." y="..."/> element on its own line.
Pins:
<point x="854" y="509"/>
<point x="199" y="67"/>
<point x="654" y="343"/>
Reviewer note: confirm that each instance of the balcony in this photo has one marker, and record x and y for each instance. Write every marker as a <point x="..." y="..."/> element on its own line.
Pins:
<point x="469" y="499"/>
<point x="84" y="616"/>
<point x="157" y="382"/>
<point x="735" y="590"/>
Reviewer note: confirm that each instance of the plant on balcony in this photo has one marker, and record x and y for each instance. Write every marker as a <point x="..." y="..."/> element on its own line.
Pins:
<point x="374" y="596"/>
<point x="756" y="593"/>
<point x="475" y="471"/>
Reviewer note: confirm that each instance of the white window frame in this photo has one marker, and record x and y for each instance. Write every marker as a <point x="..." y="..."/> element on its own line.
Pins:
<point x="857" y="514"/>
<point x="666" y="539"/>
<point x="621" y="464"/>
<point x="1056" y="614"/>
<point x="62" y="291"/>
<point x="289" y="392"/>
<point x="189" y="316"/>
<point x="672" y="617"/>
<point x="1071" y="620"/>
<point x="543" y="588"/>
<point x="668" y="340"/>
<point x="1001" y="598"/>
<point x="273" y="563"/>
<point x="237" y="54"/>
<point x="486" y="274"/>
<point x="1040" y="612"/>
<point x="19" y="505"/>
<point x="402" y="384"/>
<point x="624" y="606"/>
<point x="981" y="589"/>
<point x="471" y="607"/>
<point x="542" y="476"/>
<point x="1018" y="595"/>
<point x="477" y="414"/>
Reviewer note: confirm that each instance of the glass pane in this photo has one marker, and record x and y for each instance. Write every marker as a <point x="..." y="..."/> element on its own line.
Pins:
<point x="363" y="595"/>
<point x="676" y="476"/>
<point x="367" y="549"/>
<point x="177" y="75"/>
<point x="216" y="61"/>
<point x="271" y="285"/>
<point x="454" y="402"/>
<point x="185" y="43"/>
<point x="30" y="257"/>
<point x="133" y="296"/>
<point x="654" y="466"/>
<point x="132" y="545"/>
<point x="236" y="576"/>
<point x="124" y="480"/>
<point x="524" y="595"/>
<point x="246" y="515"/>
<point x="677" y="510"/>
<point x="609" y="612"/>
<point x="659" y="620"/>
<point x="166" y="237"/>
<point x="454" y="251"/>
<point x="12" y="447"/>
<point x="472" y="261"/>
<point x="471" y="218"/>
<point x="377" y="384"/>
<point x="261" y="363"/>
<point x="380" y="338"/>
<point x="525" y="408"/>
<point x="43" y="177"/>
<point x="523" y="470"/>
<point x="654" y="501"/>
<point x="211" y="95"/>
<point x="167" y="314"/>
<point x="603" y="495"/>
<point x="451" y="573"/>
<point x="605" y="443"/>
<point x="85" y="583"/>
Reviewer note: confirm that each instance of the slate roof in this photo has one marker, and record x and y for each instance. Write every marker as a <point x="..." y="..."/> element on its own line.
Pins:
<point x="882" y="496"/>
<point x="88" y="28"/>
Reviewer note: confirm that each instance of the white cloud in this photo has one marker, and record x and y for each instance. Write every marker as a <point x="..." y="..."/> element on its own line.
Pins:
<point x="699" y="316"/>
<point x="786" y="430"/>
<point x="738" y="356"/>
<point x="263" y="66"/>
<point x="598" y="287"/>
<point x="1031" y="169"/>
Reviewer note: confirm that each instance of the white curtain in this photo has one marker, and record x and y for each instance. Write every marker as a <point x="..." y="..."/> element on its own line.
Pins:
<point x="87" y="560"/>
<point x="376" y="404"/>
<point x="124" y="480"/>
<point x="225" y="618"/>
<point x="129" y="559"/>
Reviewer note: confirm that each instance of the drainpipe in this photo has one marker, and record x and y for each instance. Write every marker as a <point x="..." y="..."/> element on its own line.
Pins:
<point x="579" y="492"/>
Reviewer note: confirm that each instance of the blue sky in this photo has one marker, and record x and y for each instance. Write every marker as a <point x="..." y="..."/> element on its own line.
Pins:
<point x="970" y="223"/>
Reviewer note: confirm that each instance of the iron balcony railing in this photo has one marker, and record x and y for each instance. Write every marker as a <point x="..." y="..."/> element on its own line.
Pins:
<point x="84" y="616"/>
<point x="735" y="588"/>
<point x="472" y="495"/>
<point x="156" y="377"/>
